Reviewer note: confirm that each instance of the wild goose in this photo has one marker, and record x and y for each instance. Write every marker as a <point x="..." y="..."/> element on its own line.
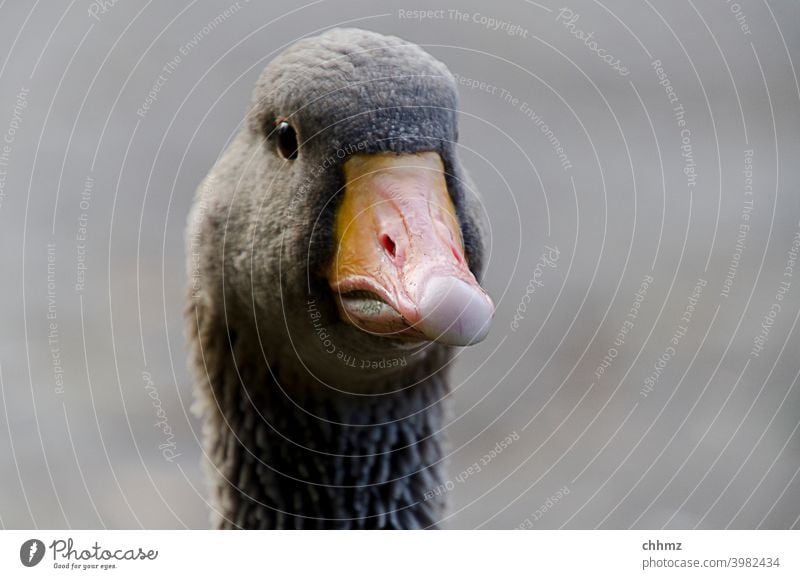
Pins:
<point x="333" y="254"/>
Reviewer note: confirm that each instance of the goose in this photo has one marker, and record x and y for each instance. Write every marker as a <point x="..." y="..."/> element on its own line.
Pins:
<point x="334" y="252"/>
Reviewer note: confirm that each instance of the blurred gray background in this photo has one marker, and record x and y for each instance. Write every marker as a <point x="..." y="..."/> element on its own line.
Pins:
<point x="94" y="198"/>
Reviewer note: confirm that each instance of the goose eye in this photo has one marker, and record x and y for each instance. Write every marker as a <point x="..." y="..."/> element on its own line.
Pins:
<point x="287" y="140"/>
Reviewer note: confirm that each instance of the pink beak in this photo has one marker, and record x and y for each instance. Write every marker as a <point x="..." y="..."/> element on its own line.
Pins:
<point x="399" y="268"/>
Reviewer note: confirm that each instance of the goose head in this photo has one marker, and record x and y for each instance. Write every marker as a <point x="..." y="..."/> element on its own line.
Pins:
<point x="343" y="210"/>
<point x="336" y="236"/>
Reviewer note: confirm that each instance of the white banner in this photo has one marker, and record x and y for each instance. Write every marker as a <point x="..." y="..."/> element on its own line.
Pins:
<point x="401" y="554"/>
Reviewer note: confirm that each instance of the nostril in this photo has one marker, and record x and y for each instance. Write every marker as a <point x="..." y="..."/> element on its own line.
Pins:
<point x="389" y="245"/>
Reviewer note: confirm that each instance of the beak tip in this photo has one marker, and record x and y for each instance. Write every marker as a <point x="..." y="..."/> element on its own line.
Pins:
<point x="455" y="312"/>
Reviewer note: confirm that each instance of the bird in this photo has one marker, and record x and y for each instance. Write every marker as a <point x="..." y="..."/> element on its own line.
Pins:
<point x="334" y="256"/>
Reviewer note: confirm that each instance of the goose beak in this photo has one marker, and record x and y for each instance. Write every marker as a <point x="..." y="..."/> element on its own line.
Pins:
<point x="398" y="268"/>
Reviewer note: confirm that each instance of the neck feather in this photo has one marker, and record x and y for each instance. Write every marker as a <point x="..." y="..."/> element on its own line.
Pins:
<point x="289" y="455"/>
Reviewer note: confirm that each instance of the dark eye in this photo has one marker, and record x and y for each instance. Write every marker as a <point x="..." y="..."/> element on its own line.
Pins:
<point x="287" y="140"/>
